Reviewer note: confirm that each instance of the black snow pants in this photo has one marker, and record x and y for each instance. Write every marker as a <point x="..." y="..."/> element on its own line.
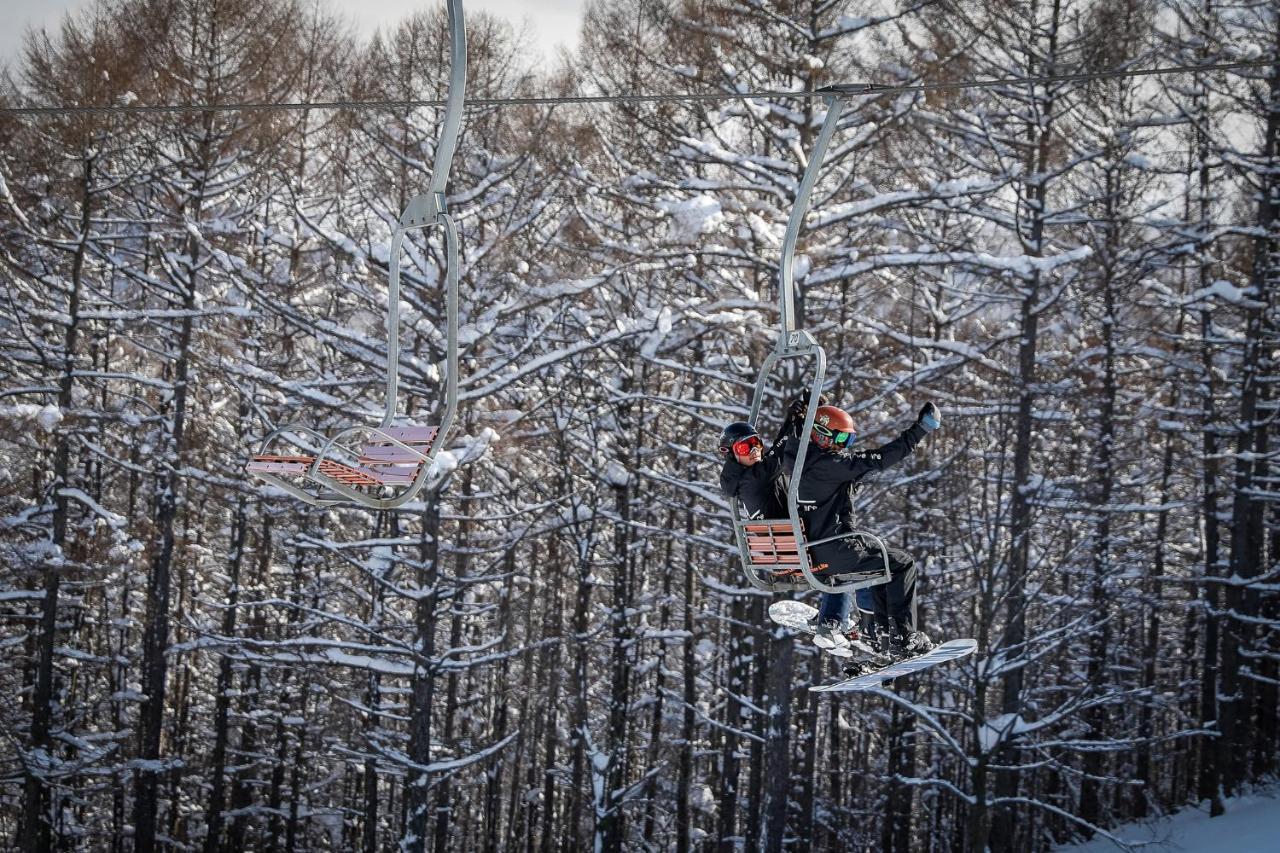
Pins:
<point x="895" y="599"/>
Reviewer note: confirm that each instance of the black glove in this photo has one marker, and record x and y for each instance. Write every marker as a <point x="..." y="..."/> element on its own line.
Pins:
<point x="930" y="418"/>
<point x="795" y="412"/>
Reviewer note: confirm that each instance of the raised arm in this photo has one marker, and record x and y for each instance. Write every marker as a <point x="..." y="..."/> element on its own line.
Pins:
<point x="861" y="463"/>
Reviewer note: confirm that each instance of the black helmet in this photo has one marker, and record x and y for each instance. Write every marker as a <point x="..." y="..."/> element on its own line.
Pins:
<point x="735" y="431"/>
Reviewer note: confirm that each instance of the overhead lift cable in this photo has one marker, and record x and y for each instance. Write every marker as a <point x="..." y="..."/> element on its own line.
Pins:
<point x="846" y="90"/>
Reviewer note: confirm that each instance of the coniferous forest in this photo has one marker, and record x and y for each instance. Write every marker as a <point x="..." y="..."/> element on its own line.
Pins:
<point x="555" y="648"/>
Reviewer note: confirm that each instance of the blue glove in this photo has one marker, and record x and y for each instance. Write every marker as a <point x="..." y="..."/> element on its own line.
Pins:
<point x="930" y="418"/>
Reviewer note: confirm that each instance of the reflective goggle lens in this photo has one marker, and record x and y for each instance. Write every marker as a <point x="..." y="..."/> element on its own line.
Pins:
<point x="837" y="438"/>
<point x="746" y="445"/>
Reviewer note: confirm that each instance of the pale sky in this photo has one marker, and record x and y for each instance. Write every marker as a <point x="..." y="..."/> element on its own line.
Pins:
<point x="550" y="23"/>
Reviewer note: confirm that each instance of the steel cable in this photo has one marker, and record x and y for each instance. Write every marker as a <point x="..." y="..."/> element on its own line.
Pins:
<point x="841" y="90"/>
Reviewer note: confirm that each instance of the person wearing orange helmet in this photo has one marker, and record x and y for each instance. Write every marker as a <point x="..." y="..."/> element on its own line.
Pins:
<point x="832" y="471"/>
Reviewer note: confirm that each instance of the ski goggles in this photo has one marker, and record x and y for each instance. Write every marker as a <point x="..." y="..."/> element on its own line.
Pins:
<point x="839" y="439"/>
<point x="744" y="446"/>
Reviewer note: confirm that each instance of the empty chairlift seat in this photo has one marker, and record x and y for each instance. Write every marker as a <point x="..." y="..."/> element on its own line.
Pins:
<point x="385" y="467"/>
<point x="391" y="456"/>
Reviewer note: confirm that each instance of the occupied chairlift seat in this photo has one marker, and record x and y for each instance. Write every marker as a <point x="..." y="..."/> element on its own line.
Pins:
<point x="773" y="561"/>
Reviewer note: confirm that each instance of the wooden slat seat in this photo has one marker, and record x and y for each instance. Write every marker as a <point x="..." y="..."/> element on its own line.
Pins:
<point x="772" y="557"/>
<point x="382" y="461"/>
<point x="380" y="451"/>
<point x="772" y="545"/>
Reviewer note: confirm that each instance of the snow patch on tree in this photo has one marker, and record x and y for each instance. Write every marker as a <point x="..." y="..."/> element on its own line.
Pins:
<point x="692" y="217"/>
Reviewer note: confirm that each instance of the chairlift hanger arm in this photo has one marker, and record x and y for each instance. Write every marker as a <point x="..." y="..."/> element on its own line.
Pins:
<point x="429" y="209"/>
<point x="788" y="320"/>
<point x="424" y="209"/>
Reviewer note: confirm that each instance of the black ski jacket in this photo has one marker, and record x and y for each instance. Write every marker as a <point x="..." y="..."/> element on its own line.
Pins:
<point x="828" y="480"/>
<point x="761" y="487"/>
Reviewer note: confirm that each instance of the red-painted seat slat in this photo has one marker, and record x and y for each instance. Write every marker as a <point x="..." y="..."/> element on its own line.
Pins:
<point x="772" y="547"/>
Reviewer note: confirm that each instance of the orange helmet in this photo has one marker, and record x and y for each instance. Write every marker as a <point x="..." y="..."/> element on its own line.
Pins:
<point x="832" y="428"/>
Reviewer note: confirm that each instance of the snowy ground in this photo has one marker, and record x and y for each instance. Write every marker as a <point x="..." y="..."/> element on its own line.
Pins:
<point x="1251" y="825"/>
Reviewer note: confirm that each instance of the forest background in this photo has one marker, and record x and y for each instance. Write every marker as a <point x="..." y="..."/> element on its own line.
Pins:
<point x="555" y="649"/>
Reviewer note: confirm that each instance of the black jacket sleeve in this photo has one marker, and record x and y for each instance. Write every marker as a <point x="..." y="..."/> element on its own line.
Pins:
<point x="731" y="478"/>
<point x="857" y="465"/>
<point x="790" y="429"/>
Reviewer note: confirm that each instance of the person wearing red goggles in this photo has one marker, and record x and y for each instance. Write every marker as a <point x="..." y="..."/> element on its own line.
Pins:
<point x="749" y="474"/>
<point x="748" y="450"/>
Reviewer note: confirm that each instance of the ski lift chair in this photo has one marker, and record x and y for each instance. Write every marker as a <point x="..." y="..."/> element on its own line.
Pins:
<point x="775" y="552"/>
<point x="384" y="467"/>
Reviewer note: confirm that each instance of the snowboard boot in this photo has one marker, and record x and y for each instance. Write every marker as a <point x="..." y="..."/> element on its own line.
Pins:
<point x="863" y="642"/>
<point x="906" y="643"/>
<point x="875" y="633"/>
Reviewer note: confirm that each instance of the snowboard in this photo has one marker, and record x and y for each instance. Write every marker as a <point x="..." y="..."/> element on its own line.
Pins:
<point x="797" y="615"/>
<point x="948" y="651"/>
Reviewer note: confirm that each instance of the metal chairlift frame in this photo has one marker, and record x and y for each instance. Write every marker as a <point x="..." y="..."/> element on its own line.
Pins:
<point x="796" y="343"/>
<point x="422" y="211"/>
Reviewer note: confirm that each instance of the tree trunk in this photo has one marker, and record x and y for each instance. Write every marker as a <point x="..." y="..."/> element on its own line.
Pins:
<point x="1103" y="480"/>
<point x="492" y="823"/>
<point x="553" y="665"/>
<point x="573" y="835"/>
<point x="805" y="824"/>
<point x="896" y="823"/>
<point x="777" y="749"/>
<point x="35" y="829"/>
<point x="1144" y="797"/>
<point x="612" y="828"/>
<point x="759" y="725"/>
<point x="735" y="719"/>
<point x="417" y="790"/>
<point x="688" y="729"/>
<point x="222" y="699"/>
<point x="1021" y="511"/>
<point x="444" y="798"/>
<point x="1252" y="469"/>
<point x="155" y="641"/>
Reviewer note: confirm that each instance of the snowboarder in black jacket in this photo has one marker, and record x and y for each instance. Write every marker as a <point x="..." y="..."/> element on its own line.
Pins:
<point x="754" y="475"/>
<point x="830" y="476"/>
